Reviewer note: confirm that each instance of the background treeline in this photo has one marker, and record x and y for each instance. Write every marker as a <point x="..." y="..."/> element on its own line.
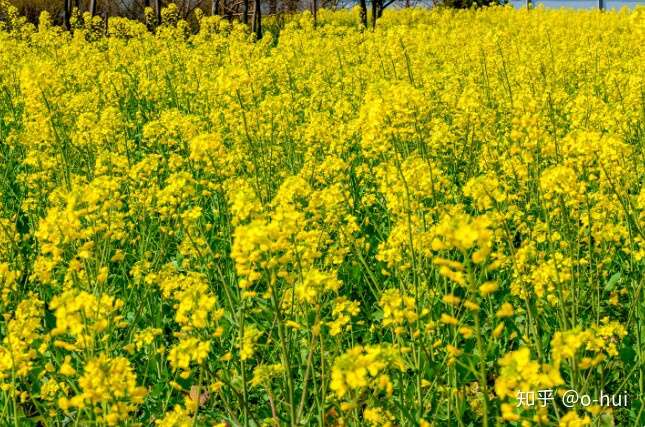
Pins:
<point x="134" y="9"/>
<point x="244" y="10"/>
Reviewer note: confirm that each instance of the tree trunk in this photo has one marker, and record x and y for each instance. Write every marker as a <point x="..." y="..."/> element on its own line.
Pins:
<point x="215" y="7"/>
<point x="158" y="11"/>
<point x="78" y="6"/>
<point x="315" y="12"/>
<point x="245" y="12"/>
<point x="257" y="20"/>
<point x="67" y="12"/>
<point x="146" y="6"/>
<point x="374" y="12"/>
<point x="93" y="7"/>
<point x="363" y="5"/>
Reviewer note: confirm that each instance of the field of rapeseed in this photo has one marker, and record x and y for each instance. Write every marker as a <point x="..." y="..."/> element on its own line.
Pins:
<point x="424" y="224"/>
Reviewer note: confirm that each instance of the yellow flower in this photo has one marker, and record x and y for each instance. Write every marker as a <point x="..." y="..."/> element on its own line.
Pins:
<point x="188" y="350"/>
<point x="397" y="309"/>
<point x="506" y="310"/>
<point x="83" y="316"/>
<point x="466" y="332"/>
<point x="109" y="382"/>
<point x="178" y="417"/>
<point x="66" y="368"/>
<point x="262" y="374"/>
<point x="355" y="368"/>
<point x="572" y="419"/>
<point x="519" y="373"/>
<point x="249" y="340"/>
<point x="488" y="288"/>
<point x="498" y="330"/>
<point x="451" y="299"/>
<point x="448" y="319"/>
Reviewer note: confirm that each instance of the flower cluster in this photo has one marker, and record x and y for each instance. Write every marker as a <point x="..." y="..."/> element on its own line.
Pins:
<point x="331" y="225"/>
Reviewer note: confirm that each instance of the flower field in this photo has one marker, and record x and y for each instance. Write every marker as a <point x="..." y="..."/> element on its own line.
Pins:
<point x="421" y="224"/>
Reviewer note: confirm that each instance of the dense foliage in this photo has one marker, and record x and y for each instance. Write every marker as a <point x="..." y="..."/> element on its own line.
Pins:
<point x="406" y="226"/>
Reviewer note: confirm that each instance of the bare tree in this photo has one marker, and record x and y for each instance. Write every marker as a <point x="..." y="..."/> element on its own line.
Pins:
<point x="67" y="12"/>
<point x="363" y="6"/>
<point x="257" y="19"/>
<point x="382" y="6"/>
<point x="247" y="11"/>
<point x="378" y="6"/>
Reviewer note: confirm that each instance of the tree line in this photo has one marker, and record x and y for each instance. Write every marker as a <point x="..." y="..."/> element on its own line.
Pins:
<point x="250" y="12"/>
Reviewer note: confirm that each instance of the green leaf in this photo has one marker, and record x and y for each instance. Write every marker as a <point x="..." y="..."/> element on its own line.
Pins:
<point x="606" y="420"/>
<point x="611" y="284"/>
<point x="627" y="354"/>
